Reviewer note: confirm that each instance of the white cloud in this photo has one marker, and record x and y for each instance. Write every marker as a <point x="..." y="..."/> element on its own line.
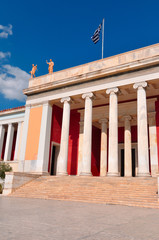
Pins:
<point x="5" y="31"/>
<point x="4" y="55"/>
<point x="12" y="81"/>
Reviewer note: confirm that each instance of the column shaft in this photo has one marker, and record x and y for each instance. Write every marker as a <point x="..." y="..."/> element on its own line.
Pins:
<point x="2" y="132"/>
<point x="24" y="138"/>
<point x="127" y="148"/>
<point x="44" y="141"/>
<point x="9" y="143"/>
<point x="143" y="155"/>
<point x="17" y="141"/>
<point x="87" y="138"/>
<point x="80" y="148"/>
<point x="113" y="133"/>
<point x="103" y="150"/>
<point x="63" y="154"/>
<point x="153" y="143"/>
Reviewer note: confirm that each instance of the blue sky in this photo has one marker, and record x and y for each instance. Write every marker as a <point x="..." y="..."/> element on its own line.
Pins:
<point x="33" y="31"/>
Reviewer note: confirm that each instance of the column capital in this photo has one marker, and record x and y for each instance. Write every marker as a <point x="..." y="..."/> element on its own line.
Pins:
<point x="88" y="95"/>
<point x="112" y="90"/>
<point x="140" y="85"/>
<point x="66" y="99"/>
<point x="126" y="118"/>
<point x="103" y="120"/>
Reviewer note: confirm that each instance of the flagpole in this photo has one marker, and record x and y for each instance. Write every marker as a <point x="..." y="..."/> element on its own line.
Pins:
<point x="103" y="38"/>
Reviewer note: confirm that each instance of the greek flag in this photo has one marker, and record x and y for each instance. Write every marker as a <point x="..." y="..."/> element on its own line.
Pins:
<point x="95" y="37"/>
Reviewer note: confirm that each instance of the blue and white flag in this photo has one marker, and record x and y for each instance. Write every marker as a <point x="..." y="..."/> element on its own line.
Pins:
<point x="96" y="35"/>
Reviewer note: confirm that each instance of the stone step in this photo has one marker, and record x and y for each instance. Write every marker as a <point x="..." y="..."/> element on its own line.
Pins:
<point x="127" y="191"/>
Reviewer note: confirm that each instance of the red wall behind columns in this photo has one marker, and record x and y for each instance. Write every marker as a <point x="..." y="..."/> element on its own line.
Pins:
<point x="13" y="145"/>
<point x="121" y="135"/>
<point x="74" y="140"/>
<point x="157" y="125"/>
<point x="56" y="124"/>
<point x="133" y="134"/>
<point x="73" y="136"/>
<point x="73" y="143"/>
<point x="95" y="161"/>
<point x="55" y="128"/>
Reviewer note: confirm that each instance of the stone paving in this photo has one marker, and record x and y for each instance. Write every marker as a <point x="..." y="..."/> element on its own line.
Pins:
<point x="37" y="219"/>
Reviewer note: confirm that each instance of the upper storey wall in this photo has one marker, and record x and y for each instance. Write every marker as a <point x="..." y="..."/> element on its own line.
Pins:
<point x="136" y="59"/>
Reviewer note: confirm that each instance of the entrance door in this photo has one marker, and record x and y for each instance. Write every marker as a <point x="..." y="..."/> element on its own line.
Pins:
<point x="133" y="161"/>
<point x="122" y="162"/>
<point x="54" y="156"/>
<point x="122" y="170"/>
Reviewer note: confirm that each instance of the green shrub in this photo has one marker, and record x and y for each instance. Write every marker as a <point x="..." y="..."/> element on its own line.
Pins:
<point x="1" y="189"/>
<point x="4" y="167"/>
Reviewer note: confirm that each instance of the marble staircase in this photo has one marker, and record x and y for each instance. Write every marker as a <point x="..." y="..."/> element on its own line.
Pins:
<point x="140" y="192"/>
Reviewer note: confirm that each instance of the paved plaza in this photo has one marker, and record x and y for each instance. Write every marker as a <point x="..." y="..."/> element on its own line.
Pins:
<point x="36" y="219"/>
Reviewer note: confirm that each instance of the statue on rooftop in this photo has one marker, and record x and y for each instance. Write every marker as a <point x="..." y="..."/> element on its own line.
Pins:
<point x="34" y="68"/>
<point x="51" y="64"/>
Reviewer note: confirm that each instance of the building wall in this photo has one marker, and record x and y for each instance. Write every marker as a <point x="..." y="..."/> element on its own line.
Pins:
<point x="33" y="133"/>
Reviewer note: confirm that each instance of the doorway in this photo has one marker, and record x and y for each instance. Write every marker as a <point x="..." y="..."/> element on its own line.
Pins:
<point x="54" y="155"/>
<point x="121" y="162"/>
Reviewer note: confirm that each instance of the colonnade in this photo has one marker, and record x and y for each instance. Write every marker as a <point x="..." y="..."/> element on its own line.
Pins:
<point x="85" y="150"/>
<point x="10" y="127"/>
<point x="85" y="141"/>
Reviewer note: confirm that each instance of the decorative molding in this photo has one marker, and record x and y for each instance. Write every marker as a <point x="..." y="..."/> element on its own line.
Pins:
<point x="66" y="99"/>
<point x="88" y="95"/>
<point x="112" y="90"/>
<point x="140" y="85"/>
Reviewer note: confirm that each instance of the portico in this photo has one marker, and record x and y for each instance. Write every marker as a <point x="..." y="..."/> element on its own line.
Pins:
<point x="97" y="119"/>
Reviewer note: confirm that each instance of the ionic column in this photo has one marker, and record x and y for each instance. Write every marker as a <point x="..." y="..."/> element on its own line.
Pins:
<point x="143" y="155"/>
<point x="127" y="147"/>
<point x="63" y="154"/>
<point x="24" y="138"/>
<point x="113" y="132"/>
<point x="153" y="143"/>
<point x="80" y="148"/>
<point x="103" y="149"/>
<point x="45" y="132"/>
<point x="17" y="141"/>
<point x="9" y="142"/>
<point x="87" y="138"/>
<point x="2" y="132"/>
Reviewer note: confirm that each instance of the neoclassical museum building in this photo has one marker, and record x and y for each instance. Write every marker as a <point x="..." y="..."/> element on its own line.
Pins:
<point x="96" y="119"/>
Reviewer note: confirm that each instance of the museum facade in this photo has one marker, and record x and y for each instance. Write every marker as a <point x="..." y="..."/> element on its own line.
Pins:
<point x="100" y="119"/>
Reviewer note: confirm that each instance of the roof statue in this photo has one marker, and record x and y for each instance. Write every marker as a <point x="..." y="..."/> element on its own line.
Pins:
<point x="34" y="68"/>
<point x="51" y="64"/>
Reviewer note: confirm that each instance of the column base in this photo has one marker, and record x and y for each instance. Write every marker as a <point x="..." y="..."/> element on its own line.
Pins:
<point x="62" y="174"/>
<point x="143" y="175"/>
<point x="86" y="174"/>
<point x="113" y="174"/>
